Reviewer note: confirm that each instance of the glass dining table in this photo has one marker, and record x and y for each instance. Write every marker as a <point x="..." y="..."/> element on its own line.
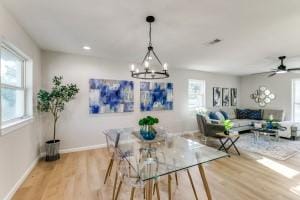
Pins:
<point x="164" y="155"/>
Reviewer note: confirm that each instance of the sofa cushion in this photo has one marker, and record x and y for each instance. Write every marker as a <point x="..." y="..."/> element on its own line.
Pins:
<point x="278" y="115"/>
<point x="212" y="115"/>
<point x="230" y="112"/>
<point x="220" y="116"/>
<point x="241" y="113"/>
<point x="225" y="114"/>
<point x="242" y="122"/>
<point x="254" y="114"/>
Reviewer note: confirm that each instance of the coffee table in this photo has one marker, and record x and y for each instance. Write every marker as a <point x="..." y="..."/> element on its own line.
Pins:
<point x="266" y="132"/>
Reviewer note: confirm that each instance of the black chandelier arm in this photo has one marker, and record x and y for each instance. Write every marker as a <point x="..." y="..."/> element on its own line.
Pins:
<point x="146" y="56"/>
<point x="156" y="57"/>
<point x="150" y="35"/>
<point x="156" y="75"/>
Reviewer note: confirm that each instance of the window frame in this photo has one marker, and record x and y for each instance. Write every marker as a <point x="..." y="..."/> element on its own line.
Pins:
<point x="293" y="98"/>
<point x="23" y="87"/>
<point x="203" y="83"/>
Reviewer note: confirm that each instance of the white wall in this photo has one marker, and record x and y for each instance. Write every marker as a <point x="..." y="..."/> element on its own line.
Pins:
<point x="19" y="148"/>
<point x="78" y="129"/>
<point x="280" y="85"/>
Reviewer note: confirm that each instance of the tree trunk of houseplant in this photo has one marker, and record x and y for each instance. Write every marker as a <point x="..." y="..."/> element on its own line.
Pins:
<point x="52" y="146"/>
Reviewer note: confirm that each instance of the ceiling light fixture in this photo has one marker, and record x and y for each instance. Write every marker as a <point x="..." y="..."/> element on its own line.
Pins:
<point x="87" y="48"/>
<point x="148" y="72"/>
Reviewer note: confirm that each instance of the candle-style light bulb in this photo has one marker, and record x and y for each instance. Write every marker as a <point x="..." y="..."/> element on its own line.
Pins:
<point x="132" y="67"/>
<point x="137" y="70"/>
<point x="149" y="58"/>
<point x="146" y="64"/>
<point x="165" y="66"/>
<point x="152" y="72"/>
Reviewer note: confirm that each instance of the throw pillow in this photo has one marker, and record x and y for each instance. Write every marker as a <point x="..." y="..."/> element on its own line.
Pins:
<point x="225" y="114"/>
<point x="213" y="116"/>
<point x="220" y="116"/>
<point x="241" y="113"/>
<point x="254" y="114"/>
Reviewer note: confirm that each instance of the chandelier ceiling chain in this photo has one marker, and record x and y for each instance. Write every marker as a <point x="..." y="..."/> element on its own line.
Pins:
<point x="150" y="73"/>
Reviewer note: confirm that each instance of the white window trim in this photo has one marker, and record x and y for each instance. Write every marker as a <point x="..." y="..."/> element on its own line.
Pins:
<point x="13" y="126"/>
<point x="17" y="123"/>
<point x="293" y="99"/>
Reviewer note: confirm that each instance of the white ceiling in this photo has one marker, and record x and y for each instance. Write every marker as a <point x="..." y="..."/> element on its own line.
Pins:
<point x="254" y="32"/>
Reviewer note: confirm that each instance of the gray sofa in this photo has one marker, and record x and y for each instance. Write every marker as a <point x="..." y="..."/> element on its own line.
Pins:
<point x="210" y="127"/>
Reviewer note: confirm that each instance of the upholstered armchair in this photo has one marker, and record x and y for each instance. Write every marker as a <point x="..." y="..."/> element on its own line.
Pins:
<point x="208" y="129"/>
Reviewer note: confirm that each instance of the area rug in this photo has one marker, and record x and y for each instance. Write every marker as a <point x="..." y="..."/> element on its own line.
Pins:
<point x="281" y="150"/>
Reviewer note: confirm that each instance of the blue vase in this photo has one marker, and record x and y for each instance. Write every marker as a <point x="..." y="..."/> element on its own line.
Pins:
<point x="148" y="133"/>
<point x="269" y="125"/>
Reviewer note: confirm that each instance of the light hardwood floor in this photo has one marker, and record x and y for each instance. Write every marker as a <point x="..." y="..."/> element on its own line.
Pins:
<point x="80" y="175"/>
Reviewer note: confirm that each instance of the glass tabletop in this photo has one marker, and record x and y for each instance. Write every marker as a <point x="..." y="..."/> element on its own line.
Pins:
<point x="160" y="157"/>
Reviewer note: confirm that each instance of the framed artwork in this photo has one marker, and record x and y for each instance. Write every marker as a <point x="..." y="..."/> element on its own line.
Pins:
<point x="217" y="97"/>
<point x="233" y="96"/>
<point x="156" y="96"/>
<point x="225" y="97"/>
<point x="110" y="96"/>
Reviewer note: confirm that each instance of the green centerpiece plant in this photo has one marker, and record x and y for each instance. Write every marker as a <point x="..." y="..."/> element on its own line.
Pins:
<point x="147" y="130"/>
<point x="54" y="102"/>
<point x="227" y="125"/>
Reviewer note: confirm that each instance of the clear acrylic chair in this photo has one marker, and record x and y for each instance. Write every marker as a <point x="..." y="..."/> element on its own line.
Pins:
<point x="132" y="171"/>
<point x="113" y="137"/>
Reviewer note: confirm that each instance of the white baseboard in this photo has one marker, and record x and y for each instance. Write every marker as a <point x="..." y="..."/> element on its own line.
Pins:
<point x="21" y="180"/>
<point x="76" y="149"/>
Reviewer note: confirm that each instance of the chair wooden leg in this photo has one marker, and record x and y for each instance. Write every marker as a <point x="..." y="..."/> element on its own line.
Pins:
<point x="115" y="185"/>
<point x="132" y="193"/>
<point x="206" y="187"/>
<point x="144" y="193"/>
<point x="118" y="190"/>
<point x="112" y="164"/>
<point x="157" y="191"/>
<point x="150" y="187"/>
<point x="192" y="183"/>
<point x="154" y="187"/>
<point x="108" y="169"/>
<point x="170" y="186"/>
<point x="176" y="178"/>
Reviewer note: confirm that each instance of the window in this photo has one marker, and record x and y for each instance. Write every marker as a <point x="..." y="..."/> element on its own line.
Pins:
<point x="296" y="100"/>
<point x="196" y="94"/>
<point x="13" y="88"/>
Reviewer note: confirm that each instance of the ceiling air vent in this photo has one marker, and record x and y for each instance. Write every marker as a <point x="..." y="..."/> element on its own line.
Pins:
<point x="215" y="41"/>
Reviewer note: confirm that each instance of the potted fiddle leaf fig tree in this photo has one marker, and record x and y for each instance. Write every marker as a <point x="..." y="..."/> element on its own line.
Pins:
<point x="54" y="102"/>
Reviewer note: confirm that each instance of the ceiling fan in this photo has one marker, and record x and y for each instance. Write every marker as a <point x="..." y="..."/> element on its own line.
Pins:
<point x="281" y="69"/>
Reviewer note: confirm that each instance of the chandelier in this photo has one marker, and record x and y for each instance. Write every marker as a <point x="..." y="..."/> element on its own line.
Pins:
<point x="150" y="73"/>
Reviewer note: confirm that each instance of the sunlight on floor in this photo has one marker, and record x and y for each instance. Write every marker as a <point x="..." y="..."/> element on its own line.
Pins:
<point x="279" y="168"/>
<point x="296" y="190"/>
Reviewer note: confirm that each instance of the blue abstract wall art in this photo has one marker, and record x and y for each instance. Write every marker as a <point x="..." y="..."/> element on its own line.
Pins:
<point x="110" y="96"/>
<point x="156" y="96"/>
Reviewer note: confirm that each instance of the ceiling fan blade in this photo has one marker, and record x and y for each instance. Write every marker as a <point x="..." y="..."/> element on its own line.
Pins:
<point x="273" y="74"/>
<point x="293" y="69"/>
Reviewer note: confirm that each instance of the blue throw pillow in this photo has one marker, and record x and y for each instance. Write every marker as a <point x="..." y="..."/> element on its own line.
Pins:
<point x="225" y="114"/>
<point x="254" y="114"/>
<point x="241" y="114"/>
<point x="213" y="116"/>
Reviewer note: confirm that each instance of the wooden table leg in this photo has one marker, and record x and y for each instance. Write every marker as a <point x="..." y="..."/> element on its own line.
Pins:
<point x="170" y="186"/>
<point x="176" y="178"/>
<point x="115" y="185"/>
<point x="192" y="183"/>
<point x="132" y="193"/>
<point x="206" y="187"/>
<point x="157" y="191"/>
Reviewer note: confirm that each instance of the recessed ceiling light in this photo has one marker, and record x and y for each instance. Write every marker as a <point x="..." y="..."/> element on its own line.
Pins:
<point x="87" y="48"/>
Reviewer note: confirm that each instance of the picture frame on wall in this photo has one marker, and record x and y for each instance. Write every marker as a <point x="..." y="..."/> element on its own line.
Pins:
<point x="217" y="96"/>
<point x="225" y="97"/>
<point x="233" y="96"/>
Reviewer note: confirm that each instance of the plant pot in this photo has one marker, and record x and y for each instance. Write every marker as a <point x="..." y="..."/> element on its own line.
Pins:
<point x="148" y="133"/>
<point x="52" y="150"/>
